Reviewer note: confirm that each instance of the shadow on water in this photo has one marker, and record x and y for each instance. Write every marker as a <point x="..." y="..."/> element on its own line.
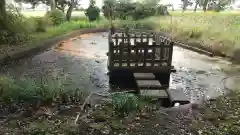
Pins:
<point x="81" y="62"/>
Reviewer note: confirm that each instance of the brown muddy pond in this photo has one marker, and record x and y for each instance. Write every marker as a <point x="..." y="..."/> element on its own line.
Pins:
<point x="81" y="62"/>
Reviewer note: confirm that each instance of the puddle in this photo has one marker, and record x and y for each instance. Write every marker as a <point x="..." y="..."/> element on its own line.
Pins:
<point x="82" y="62"/>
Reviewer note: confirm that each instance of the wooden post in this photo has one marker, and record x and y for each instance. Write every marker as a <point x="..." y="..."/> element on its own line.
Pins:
<point x="136" y="49"/>
<point x="129" y="50"/>
<point x="121" y="45"/>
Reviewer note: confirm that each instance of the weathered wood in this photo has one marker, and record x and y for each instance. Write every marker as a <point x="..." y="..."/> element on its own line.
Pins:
<point x="140" y="48"/>
<point x="155" y="84"/>
<point x="144" y="76"/>
<point x="177" y="96"/>
<point x="162" y="94"/>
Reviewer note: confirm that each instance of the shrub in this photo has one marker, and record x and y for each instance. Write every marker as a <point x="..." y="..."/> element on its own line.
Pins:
<point x="41" y="24"/>
<point x="16" y="28"/>
<point x="93" y="13"/>
<point x="29" y="91"/>
<point x="125" y="103"/>
<point x="108" y="8"/>
<point x="123" y="10"/>
<point x="162" y="10"/>
<point x="57" y="16"/>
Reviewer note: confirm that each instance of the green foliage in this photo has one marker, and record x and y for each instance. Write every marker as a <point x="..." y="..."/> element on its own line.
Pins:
<point x="162" y="10"/>
<point x="124" y="103"/>
<point x="92" y="12"/>
<point x="41" y="24"/>
<point x="29" y="91"/>
<point x="123" y="10"/>
<point x="56" y="16"/>
<point x="16" y="27"/>
<point x="108" y="8"/>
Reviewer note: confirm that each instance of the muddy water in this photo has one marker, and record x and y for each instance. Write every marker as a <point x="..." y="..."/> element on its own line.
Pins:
<point x="81" y="63"/>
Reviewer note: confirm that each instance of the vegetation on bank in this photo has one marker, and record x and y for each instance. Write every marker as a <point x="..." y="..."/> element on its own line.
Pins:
<point x="219" y="117"/>
<point x="216" y="31"/>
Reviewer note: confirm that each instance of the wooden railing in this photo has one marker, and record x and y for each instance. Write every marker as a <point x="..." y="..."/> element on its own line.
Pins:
<point x="142" y="51"/>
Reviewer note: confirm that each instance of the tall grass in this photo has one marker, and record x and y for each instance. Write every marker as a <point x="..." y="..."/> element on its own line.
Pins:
<point x="218" y="31"/>
<point x="47" y="91"/>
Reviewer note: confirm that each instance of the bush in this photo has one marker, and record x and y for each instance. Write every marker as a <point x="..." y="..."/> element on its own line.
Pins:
<point x="162" y="10"/>
<point x="41" y="24"/>
<point x="93" y="13"/>
<point x="57" y="17"/>
<point x="29" y="91"/>
<point x="125" y="103"/>
<point x="137" y="11"/>
<point x="16" y="29"/>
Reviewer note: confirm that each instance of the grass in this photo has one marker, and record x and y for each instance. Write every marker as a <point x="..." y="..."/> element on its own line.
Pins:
<point x="220" y="116"/>
<point x="217" y="31"/>
<point x="42" y="13"/>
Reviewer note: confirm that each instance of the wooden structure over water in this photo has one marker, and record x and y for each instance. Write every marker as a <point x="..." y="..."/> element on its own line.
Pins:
<point x="138" y="51"/>
<point x="147" y="57"/>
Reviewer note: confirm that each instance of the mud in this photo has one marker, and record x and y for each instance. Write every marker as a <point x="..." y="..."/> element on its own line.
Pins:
<point x="81" y="62"/>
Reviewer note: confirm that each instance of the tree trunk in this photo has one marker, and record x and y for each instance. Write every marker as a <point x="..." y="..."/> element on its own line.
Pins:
<point x="3" y="14"/>
<point x="205" y="3"/>
<point x="2" y="8"/>
<point x="70" y="9"/>
<point x="185" y="2"/>
<point x="196" y="4"/>
<point x="53" y="4"/>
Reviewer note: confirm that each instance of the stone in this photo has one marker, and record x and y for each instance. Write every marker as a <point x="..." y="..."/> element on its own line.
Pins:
<point x="148" y="84"/>
<point x="162" y="94"/>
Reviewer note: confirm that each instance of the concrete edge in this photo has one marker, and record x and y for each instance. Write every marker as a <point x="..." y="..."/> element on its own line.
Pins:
<point x="39" y="47"/>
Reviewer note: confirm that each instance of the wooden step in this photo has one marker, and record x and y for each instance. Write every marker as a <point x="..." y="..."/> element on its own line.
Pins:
<point x="144" y="76"/>
<point x="148" y="84"/>
<point x="162" y="94"/>
<point x="177" y="96"/>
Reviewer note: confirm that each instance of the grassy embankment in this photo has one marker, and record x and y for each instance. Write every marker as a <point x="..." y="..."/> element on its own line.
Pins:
<point x="215" y="31"/>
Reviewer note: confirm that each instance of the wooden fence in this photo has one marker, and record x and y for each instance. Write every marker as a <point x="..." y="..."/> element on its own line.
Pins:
<point x="139" y="51"/>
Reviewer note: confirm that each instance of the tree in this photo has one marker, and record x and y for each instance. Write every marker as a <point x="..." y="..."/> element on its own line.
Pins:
<point x="59" y="4"/>
<point x="205" y="3"/>
<point x="3" y="14"/>
<point x="108" y="8"/>
<point x="92" y="12"/>
<point x="197" y="2"/>
<point x="52" y="4"/>
<point x="184" y="5"/>
<point x="216" y="5"/>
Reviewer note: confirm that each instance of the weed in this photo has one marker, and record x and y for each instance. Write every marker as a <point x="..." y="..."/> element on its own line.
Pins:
<point x="124" y="103"/>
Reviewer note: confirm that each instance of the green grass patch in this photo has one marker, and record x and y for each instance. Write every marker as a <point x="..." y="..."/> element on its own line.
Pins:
<point x="217" y="31"/>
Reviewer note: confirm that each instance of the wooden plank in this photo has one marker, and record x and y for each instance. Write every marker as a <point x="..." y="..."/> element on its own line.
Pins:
<point x="144" y="76"/>
<point x="177" y="96"/>
<point x="153" y="53"/>
<point x="162" y="94"/>
<point x="148" y="84"/>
